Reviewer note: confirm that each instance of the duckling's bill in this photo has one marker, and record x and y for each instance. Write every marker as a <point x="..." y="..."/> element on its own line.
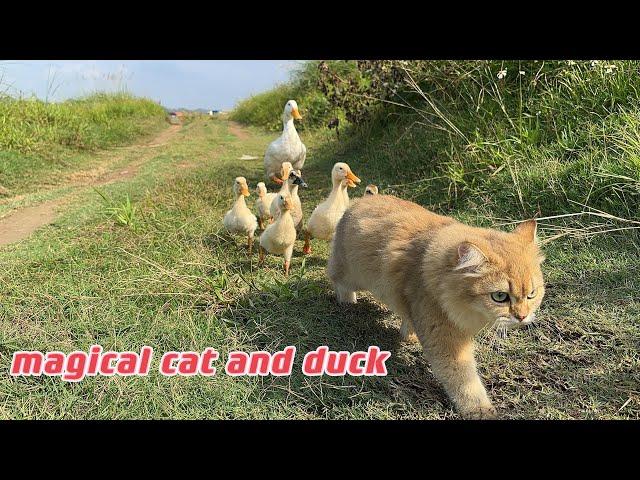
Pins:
<point x="352" y="180"/>
<point x="298" y="180"/>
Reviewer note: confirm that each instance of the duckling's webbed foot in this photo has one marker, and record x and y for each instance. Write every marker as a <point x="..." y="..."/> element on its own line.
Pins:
<point x="276" y="179"/>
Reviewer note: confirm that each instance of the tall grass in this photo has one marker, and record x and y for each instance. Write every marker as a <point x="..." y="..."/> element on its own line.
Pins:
<point x="509" y="139"/>
<point x="527" y="137"/>
<point x="40" y="141"/>
<point x="96" y="121"/>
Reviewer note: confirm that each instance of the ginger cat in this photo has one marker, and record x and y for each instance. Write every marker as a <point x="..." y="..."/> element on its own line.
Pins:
<point x="446" y="280"/>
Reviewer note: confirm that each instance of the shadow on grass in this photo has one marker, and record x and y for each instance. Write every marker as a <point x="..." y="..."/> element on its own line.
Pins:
<point x="303" y="312"/>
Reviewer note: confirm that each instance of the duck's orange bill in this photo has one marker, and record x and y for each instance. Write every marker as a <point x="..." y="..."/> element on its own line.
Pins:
<point x="296" y="114"/>
<point x="352" y="179"/>
<point x="245" y="191"/>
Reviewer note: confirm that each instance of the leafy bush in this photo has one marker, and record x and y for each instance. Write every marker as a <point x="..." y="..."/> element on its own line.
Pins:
<point x="265" y="109"/>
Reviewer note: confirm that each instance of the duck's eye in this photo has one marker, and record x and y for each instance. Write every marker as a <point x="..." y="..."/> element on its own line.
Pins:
<point x="533" y="293"/>
<point x="500" y="297"/>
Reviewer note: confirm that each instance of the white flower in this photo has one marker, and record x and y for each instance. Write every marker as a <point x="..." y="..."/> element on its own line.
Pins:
<point x="521" y="72"/>
<point x="594" y="62"/>
<point x="502" y="74"/>
<point x="571" y="63"/>
<point x="610" y="68"/>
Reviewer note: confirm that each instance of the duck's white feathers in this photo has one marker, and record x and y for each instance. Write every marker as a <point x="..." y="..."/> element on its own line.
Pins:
<point x="286" y="148"/>
<point x="279" y="237"/>
<point x="322" y="222"/>
<point x="240" y="220"/>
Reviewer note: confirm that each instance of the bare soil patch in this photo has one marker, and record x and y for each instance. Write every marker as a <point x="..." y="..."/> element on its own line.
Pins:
<point x="238" y="130"/>
<point x="23" y="222"/>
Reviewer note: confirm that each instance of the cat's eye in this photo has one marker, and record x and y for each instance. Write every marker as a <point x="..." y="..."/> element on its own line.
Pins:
<point x="533" y="293"/>
<point x="500" y="297"/>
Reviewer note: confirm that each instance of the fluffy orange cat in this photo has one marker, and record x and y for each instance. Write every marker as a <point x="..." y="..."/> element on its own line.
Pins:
<point x="446" y="280"/>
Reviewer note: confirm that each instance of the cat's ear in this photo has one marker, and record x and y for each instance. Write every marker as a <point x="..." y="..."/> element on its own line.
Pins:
<point x="471" y="260"/>
<point x="527" y="230"/>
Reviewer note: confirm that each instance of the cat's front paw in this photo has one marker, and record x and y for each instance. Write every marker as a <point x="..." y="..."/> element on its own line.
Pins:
<point x="484" y="412"/>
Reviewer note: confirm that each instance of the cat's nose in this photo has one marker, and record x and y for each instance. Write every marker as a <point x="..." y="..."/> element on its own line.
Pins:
<point x="520" y="316"/>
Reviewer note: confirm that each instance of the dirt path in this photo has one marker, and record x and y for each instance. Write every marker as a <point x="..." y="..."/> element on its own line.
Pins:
<point x="23" y="222"/>
<point x="102" y="175"/>
<point x="238" y="130"/>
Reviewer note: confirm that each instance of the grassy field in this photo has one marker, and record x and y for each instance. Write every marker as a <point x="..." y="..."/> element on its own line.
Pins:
<point x="150" y="265"/>
<point x="41" y="143"/>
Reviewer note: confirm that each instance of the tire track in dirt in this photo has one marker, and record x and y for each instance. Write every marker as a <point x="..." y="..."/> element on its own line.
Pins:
<point x="238" y="130"/>
<point x="23" y="222"/>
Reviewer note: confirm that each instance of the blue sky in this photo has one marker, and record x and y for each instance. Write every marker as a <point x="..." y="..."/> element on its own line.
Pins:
<point x="215" y="84"/>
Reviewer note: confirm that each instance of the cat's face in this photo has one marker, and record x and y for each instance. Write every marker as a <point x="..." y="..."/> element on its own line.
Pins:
<point x="503" y="282"/>
<point x="509" y="294"/>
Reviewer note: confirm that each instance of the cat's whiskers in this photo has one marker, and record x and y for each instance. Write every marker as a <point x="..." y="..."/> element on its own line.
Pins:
<point x="501" y="327"/>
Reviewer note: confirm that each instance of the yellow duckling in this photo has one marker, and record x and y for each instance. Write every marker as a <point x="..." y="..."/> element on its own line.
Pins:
<point x="325" y="217"/>
<point x="263" y="204"/>
<point x="371" y="190"/>
<point x="290" y="187"/>
<point x="240" y="220"/>
<point x="296" y="207"/>
<point x="280" y="236"/>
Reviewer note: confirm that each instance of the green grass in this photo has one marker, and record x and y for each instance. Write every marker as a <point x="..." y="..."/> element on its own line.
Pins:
<point x="170" y="278"/>
<point x="41" y="142"/>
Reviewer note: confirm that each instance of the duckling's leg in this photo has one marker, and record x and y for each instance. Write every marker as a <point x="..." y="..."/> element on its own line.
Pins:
<point x="260" y="255"/>
<point x="261" y="222"/>
<point x="250" y="242"/>
<point x="287" y="259"/>
<point x="307" y="243"/>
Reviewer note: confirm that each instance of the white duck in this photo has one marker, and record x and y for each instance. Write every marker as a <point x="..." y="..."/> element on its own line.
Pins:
<point x="324" y="219"/>
<point x="240" y="220"/>
<point x="280" y="236"/>
<point x="263" y="204"/>
<point x="287" y="148"/>
<point x="290" y="187"/>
